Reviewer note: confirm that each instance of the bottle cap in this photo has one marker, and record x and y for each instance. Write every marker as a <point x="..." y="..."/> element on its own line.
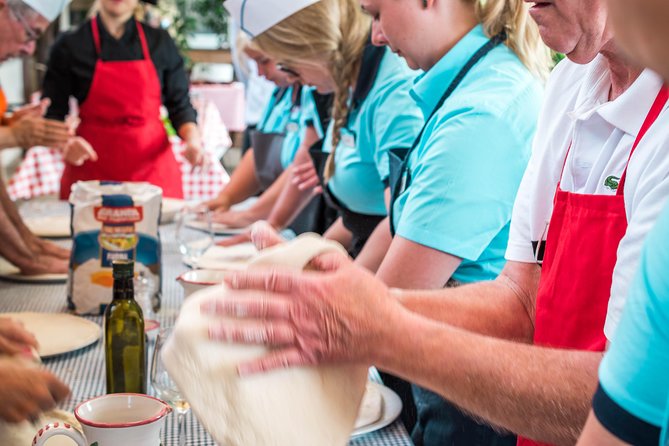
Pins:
<point x="122" y="269"/>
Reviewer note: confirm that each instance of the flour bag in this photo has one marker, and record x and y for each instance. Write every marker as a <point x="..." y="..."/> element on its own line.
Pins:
<point x="111" y="221"/>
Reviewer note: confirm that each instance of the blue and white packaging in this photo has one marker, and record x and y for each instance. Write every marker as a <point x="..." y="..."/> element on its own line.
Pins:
<point x="111" y="221"/>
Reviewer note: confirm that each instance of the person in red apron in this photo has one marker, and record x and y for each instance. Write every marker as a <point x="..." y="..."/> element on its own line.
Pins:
<point x="122" y="71"/>
<point x="580" y="254"/>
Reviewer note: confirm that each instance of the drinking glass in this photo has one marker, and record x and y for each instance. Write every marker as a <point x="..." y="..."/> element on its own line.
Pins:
<point x="194" y="232"/>
<point x="164" y="387"/>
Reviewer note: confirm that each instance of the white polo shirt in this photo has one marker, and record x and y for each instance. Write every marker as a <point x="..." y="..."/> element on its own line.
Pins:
<point x="576" y="109"/>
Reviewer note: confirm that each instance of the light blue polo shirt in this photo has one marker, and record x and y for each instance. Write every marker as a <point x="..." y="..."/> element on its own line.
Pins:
<point x="387" y="118"/>
<point x="635" y="370"/>
<point x="306" y="115"/>
<point x="465" y="172"/>
<point x="276" y="116"/>
<point x="282" y="116"/>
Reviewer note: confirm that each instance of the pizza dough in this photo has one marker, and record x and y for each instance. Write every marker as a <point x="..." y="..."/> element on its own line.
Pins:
<point x="228" y="258"/>
<point x="304" y="406"/>
<point x="371" y="408"/>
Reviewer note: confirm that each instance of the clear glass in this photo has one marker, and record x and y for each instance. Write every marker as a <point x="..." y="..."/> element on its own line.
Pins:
<point x="144" y="288"/>
<point x="194" y="232"/>
<point x="165" y="388"/>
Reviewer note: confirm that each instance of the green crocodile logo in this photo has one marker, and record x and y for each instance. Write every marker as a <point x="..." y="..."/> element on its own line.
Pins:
<point x="612" y="182"/>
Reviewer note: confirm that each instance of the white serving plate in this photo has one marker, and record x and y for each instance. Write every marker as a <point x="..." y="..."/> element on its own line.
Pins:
<point x="392" y="407"/>
<point x="58" y="333"/>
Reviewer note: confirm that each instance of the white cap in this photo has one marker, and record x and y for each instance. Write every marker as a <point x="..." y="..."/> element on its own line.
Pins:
<point x="257" y="16"/>
<point x="49" y="9"/>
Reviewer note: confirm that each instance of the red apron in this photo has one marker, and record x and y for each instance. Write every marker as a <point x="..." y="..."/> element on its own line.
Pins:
<point x="581" y="251"/>
<point x="120" y="118"/>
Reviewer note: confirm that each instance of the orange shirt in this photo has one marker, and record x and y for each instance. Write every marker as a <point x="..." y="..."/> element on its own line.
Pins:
<point x="3" y="104"/>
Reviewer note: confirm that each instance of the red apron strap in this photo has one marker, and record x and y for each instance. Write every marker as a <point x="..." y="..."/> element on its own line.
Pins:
<point x="142" y="39"/>
<point x="653" y="114"/>
<point x="96" y="35"/>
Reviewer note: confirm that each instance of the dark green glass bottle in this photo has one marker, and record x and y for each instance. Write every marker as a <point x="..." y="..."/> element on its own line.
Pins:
<point x="125" y="341"/>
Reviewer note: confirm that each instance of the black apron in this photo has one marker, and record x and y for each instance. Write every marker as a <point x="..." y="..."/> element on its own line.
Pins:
<point x="438" y="421"/>
<point x="360" y="225"/>
<point x="317" y="216"/>
<point x="267" y="147"/>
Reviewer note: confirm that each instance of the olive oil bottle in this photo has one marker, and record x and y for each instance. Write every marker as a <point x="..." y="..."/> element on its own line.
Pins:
<point x="125" y="341"/>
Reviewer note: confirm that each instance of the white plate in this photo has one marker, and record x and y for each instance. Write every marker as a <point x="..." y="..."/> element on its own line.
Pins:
<point x="226" y="258"/>
<point x="392" y="407"/>
<point x="12" y="273"/>
<point x="58" y="333"/>
<point x="217" y="228"/>
<point x="170" y="209"/>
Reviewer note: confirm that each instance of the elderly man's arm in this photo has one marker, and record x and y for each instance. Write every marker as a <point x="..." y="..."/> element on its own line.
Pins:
<point x="502" y="308"/>
<point x="540" y="393"/>
<point x="346" y="315"/>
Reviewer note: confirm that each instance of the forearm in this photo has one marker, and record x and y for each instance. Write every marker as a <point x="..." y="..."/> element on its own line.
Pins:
<point x="262" y="208"/>
<point x="12" y="212"/>
<point x="13" y="247"/>
<point x="7" y="139"/>
<point x="338" y="232"/>
<point x="536" y="392"/>
<point x="376" y="247"/>
<point x="190" y="133"/>
<point x="243" y="182"/>
<point x="290" y="202"/>
<point x="502" y="308"/>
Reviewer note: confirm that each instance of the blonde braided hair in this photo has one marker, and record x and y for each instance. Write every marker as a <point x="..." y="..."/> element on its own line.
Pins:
<point x="330" y="32"/>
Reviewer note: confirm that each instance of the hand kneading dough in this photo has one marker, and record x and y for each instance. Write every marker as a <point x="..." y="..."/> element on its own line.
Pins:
<point x="290" y="407"/>
<point x="371" y="408"/>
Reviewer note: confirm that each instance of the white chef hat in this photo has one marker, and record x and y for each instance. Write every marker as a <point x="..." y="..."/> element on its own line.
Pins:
<point x="257" y="16"/>
<point x="49" y="9"/>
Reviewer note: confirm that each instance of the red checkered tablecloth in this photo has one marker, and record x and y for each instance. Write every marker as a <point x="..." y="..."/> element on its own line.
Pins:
<point x="40" y="171"/>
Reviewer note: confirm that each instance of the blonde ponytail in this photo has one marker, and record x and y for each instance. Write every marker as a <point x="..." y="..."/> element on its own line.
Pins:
<point x="512" y="17"/>
<point x="330" y="32"/>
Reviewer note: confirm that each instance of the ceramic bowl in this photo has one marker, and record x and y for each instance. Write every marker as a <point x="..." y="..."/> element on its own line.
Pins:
<point x="198" y="279"/>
